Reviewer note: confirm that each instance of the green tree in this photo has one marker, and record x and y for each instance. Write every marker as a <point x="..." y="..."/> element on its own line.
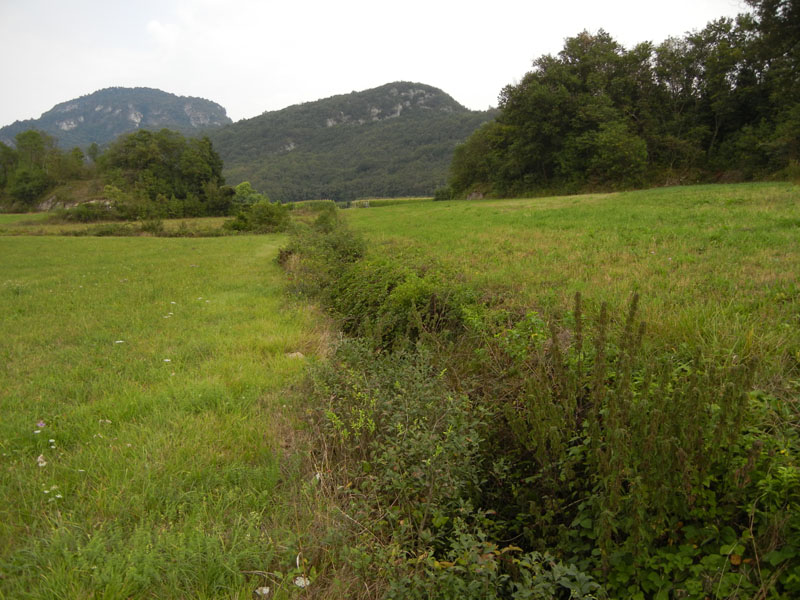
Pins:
<point x="35" y="149"/>
<point x="93" y="151"/>
<point x="165" y="165"/>
<point x="27" y="184"/>
<point x="8" y="163"/>
<point x="247" y="196"/>
<point x="618" y="157"/>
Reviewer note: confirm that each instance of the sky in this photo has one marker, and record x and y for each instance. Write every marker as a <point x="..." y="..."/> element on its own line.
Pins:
<point x="254" y="56"/>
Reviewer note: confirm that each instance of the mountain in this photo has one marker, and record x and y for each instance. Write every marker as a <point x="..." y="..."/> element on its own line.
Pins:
<point x="394" y="140"/>
<point x="102" y="116"/>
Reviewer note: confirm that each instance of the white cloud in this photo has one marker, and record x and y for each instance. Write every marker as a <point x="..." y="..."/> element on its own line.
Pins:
<point x="164" y="35"/>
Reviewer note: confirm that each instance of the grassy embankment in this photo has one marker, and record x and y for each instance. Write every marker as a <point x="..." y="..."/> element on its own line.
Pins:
<point x="143" y="393"/>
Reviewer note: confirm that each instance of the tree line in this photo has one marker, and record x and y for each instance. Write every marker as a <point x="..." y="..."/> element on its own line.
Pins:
<point x="721" y="104"/>
<point x="144" y="174"/>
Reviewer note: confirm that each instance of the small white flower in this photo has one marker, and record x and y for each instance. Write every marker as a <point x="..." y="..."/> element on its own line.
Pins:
<point x="262" y="591"/>
<point x="52" y="441"/>
<point x="167" y="360"/>
<point x="173" y="302"/>
<point x="37" y="431"/>
<point x="59" y="496"/>
<point x="120" y="342"/>
<point x="41" y="461"/>
<point x="302" y="581"/>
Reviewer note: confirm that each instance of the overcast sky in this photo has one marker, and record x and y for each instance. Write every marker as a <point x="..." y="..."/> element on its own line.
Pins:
<point x="252" y="56"/>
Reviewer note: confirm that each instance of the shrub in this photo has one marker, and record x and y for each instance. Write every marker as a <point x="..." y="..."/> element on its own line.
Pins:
<point x="88" y="212"/>
<point x="261" y="217"/>
<point x="443" y="193"/>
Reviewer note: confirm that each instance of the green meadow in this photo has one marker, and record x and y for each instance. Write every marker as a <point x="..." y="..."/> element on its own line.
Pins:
<point x="716" y="266"/>
<point x="150" y="387"/>
<point x="143" y="394"/>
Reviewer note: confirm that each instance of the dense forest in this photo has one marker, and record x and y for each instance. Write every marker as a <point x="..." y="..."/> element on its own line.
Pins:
<point x="394" y="140"/>
<point x="721" y="104"/>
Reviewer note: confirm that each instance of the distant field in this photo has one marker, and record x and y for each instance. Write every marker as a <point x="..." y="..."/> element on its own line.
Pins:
<point x="18" y="219"/>
<point x="142" y="388"/>
<point x="34" y="224"/>
<point x="717" y="266"/>
<point x="376" y="202"/>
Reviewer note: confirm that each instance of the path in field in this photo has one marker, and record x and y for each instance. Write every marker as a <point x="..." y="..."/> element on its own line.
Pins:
<point x="141" y="391"/>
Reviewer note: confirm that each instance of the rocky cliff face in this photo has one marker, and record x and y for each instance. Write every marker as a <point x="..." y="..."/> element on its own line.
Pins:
<point x="102" y="116"/>
<point x="389" y="102"/>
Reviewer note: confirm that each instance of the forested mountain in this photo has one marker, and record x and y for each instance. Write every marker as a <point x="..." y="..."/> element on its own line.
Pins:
<point x="104" y="115"/>
<point x="394" y="140"/>
<point x="720" y="104"/>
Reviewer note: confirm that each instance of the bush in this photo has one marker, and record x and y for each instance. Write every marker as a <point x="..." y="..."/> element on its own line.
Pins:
<point x="88" y="212"/>
<point x="262" y="217"/>
<point x="443" y="193"/>
<point x="394" y="305"/>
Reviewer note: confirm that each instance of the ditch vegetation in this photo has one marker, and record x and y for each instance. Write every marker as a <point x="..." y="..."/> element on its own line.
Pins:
<point x="478" y="451"/>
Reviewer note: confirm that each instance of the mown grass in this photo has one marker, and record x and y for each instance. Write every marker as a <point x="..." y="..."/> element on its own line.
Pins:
<point x="150" y="376"/>
<point x="716" y="266"/>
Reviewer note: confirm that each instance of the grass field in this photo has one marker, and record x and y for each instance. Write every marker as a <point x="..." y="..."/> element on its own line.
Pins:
<point x="146" y="383"/>
<point x="21" y="219"/>
<point x="716" y="266"/>
<point x="142" y="390"/>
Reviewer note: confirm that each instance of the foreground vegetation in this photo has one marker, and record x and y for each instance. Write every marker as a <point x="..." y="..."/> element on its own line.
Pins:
<point x="144" y="398"/>
<point x="575" y="397"/>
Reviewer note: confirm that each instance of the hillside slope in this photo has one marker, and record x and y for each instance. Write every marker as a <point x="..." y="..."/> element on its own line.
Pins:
<point x="103" y="115"/>
<point x="394" y="140"/>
